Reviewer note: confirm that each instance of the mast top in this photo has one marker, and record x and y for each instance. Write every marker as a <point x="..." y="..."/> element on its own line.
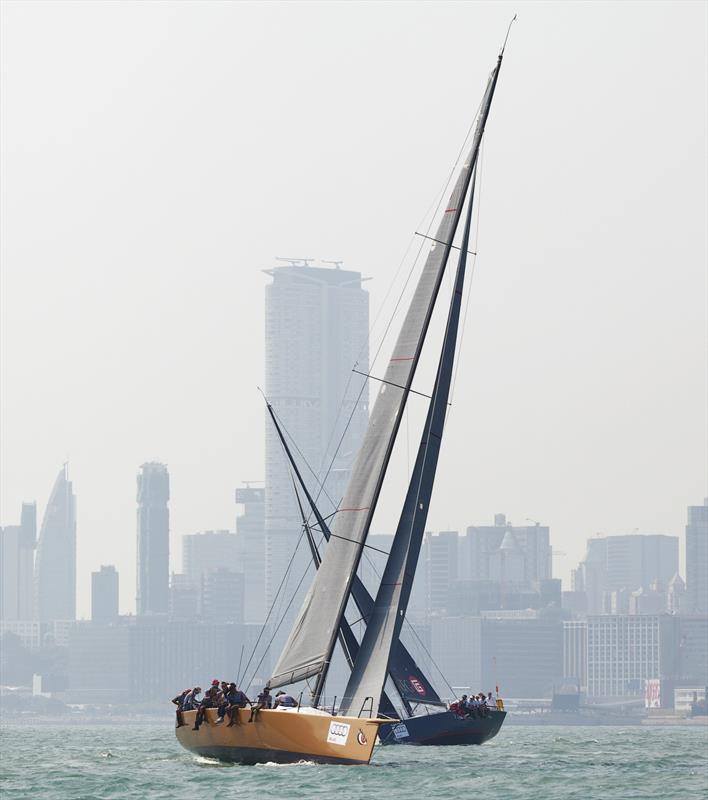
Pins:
<point x="506" y="38"/>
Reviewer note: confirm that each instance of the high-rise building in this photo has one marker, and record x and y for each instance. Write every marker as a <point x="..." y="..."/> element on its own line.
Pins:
<point x="222" y="596"/>
<point x="250" y="539"/>
<point x="17" y="543"/>
<point x="575" y="652"/>
<point x="697" y="559"/>
<point x="616" y="566"/>
<point x="55" y="565"/>
<point x="624" y="650"/>
<point x="506" y="552"/>
<point x="441" y="568"/>
<point x="104" y="594"/>
<point x="317" y="324"/>
<point x="208" y="551"/>
<point x="153" y="566"/>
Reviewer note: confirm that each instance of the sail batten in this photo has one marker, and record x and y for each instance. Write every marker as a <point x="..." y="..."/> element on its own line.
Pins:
<point x="312" y="639"/>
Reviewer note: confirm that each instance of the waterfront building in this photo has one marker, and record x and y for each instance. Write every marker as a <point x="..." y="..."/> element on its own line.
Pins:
<point x="575" y="653"/>
<point x="317" y="323"/>
<point x="104" y="595"/>
<point x="697" y="559"/>
<point x="250" y="539"/>
<point x="153" y="562"/>
<point x="205" y="552"/>
<point x="55" y="564"/>
<point x="457" y="651"/>
<point x="17" y="544"/>
<point x="622" y="565"/>
<point x="625" y="650"/>
<point x="522" y="653"/>
<point x="693" y="648"/>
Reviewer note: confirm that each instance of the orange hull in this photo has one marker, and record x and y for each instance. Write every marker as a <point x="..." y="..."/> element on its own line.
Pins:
<point x="282" y="737"/>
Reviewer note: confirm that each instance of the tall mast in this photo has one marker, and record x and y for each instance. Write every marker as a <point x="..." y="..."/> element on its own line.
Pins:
<point x="384" y="625"/>
<point x="308" y="650"/>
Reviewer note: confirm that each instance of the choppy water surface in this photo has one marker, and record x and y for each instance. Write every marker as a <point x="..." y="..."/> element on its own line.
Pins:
<point x="57" y="761"/>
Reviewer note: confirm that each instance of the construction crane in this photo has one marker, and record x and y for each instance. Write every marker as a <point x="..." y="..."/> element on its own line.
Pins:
<point x="337" y="264"/>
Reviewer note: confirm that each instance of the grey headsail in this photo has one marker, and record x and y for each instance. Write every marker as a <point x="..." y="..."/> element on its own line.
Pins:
<point x="384" y="625"/>
<point x="309" y="647"/>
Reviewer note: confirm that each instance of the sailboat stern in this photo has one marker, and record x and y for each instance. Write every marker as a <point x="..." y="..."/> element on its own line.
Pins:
<point x="281" y="736"/>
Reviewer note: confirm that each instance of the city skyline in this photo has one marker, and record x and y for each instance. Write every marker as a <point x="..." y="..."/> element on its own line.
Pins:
<point x="581" y="390"/>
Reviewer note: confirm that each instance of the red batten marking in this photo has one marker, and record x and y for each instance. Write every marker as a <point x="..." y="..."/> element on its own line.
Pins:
<point x="447" y="210"/>
<point x="406" y="358"/>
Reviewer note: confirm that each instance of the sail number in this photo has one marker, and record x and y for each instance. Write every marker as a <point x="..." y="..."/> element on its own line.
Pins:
<point x="338" y="733"/>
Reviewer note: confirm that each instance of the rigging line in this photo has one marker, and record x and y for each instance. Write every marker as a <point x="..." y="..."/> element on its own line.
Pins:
<point x="440" y="197"/>
<point x="391" y="383"/>
<point x="395" y="310"/>
<point x="306" y="520"/>
<point x="472" y="270"/>
<point x="412" y="629"/>
<point x="432" y="660"/>
<point x="275" y="632"/>
<point x="436" y="394"/>
<point x="271" y="609"/>
<point x="440" y="241"/>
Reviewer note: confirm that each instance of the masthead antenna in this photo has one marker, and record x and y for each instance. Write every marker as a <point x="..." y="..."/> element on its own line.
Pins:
<point x="506" y="38"/>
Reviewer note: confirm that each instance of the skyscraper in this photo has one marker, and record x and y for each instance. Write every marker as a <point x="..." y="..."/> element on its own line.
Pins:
<point x="153" y="539"/>
<point x="206" y="552"/>
<point x="104" y="594"/>
<point x="624" y="564"/>
<point x="17" y="543"/>
<point x="250" y="536"/>
<point x="697" y="559"/>
<point x="316" y="332"/>
<point x="55" y="565"/>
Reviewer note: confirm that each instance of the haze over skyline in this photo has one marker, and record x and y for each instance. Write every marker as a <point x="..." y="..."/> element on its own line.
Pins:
<point x="174" y="149"/>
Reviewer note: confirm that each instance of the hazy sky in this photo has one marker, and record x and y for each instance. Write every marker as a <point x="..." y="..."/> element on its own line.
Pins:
<point x="157" y="156"/>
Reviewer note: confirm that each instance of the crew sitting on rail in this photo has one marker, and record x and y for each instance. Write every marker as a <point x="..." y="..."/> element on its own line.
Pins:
<point x="179" y="701"/>
<point x="284" y="700"/>
<point x="211" y="700"/>
<point x="234" y="699"/>
<point x="265" y="700"/>
<point x="192" y="700"/>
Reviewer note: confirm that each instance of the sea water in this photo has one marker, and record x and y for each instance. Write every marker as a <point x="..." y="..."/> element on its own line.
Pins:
<point x="60" y="761"/>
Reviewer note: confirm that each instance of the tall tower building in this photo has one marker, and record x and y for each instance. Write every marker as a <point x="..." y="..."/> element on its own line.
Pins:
<point x="317" y="323"/>
<point x="104" y="594"/>
<point x="250" y="535"/>
<point x="55" y="565"/>
<point x="17" y="543"/>
<point x="153" y="539"/>
<point x="697" y="559"/>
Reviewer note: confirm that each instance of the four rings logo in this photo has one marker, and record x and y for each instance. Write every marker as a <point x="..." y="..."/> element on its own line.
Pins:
<point x="338" y="733"/>
<point x="361" y="738"/>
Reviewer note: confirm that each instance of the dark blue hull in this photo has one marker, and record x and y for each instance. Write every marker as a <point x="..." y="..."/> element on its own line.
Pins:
<point x="441" y="728"/>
